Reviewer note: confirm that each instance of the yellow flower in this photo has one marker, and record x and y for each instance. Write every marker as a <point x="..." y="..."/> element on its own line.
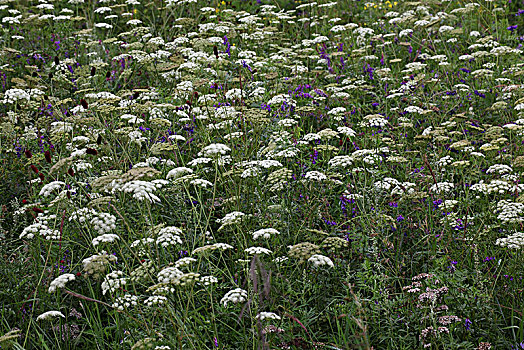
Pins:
<point x="135" y="11"/>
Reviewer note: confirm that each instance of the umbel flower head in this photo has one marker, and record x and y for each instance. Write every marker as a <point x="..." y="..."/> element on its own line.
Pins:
<point x="303" y="251"/>
<point x="235" y="296"/>
<point x="50" y="315"/>
<point x="60" y="282"/>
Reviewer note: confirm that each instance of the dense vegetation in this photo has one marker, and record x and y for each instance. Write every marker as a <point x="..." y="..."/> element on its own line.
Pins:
<point x="261" y="174"/>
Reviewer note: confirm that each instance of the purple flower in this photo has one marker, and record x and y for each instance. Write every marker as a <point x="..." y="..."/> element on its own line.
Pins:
<point x="512" y="28"/>
<point x="467" y="324"/>
<point x="227" y="45"/>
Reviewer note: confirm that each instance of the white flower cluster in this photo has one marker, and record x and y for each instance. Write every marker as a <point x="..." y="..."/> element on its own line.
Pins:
<point x="345" y="130"/>
<point x="265" y="233"/>
<point x="396" y="187"/>
<point x="278" y="100"/>
<point x="211" y="247"/>
<point x="155" y="300"/>
<point x="311" y="137"/>
<point x="443" y="162"/>
<point x="235" y="296"/>
<point x="213" y="150"/>
<point x="14" y="95"/>
<point x="234" y="94"/>
<point x="169" y="275"/>
<point x="258" y="250"/>
<point x="105" y="238"/>
<point x="266" y="163"/>
<point x="509" y="212"/>
<point x="341" y="161"/>
<point x="97" y="263"/>
<point x="50" y="187"/>
<point x="514" y="241"/>
<point x="188" y="279"/>
<point x="226" y="112"/>
<point x="501" y="187"/>
<point x="208" y="280"/>
<point x="125" y="302"/>
<point x="315" y="176"/>
<point x="42" y="229"/>
<point x="143" y="244"/>
<point x="287" y="122"/>
<point x="337" y="113"/>
<point x="234" y="217"/>
<point x="169" y="236"/>
<point x="113" y="281"/>
<point x="201" y="183"/>
<point x="442" y="187"/>
<point x="50" y="314"/>
<point x="499" y="169"/>
<point x="374" y="123"/>
<point x="178" y="172"/>
<point x="141" y="190"/>
<point x="320" y="260"/>
<point x="103" y="222"/>
<point x="60" y="282"/>
<point x="184" y="262"/>
<point x="267" y="315"/>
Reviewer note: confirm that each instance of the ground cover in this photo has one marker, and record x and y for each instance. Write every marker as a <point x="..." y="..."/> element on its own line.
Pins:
<point x="261" y="174"/>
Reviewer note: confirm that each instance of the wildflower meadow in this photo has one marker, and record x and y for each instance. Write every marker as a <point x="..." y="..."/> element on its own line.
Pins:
<point x="261" y="174"/>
